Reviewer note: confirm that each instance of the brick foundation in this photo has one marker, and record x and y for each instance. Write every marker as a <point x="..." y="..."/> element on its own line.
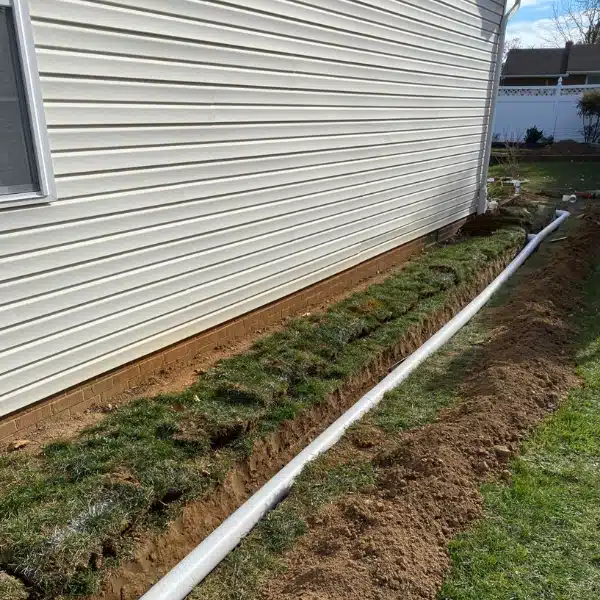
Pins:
<point x="101" y="389"/>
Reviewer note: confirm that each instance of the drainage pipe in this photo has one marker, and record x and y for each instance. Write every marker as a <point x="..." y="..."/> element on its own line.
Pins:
<point x="182" y="579"/>
<point x="483" y="195"/>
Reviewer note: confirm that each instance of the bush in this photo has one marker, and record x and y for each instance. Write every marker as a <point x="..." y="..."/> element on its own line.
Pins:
<point x="588" y="108"/>
<point x="547" y="141"/>
<point x="533" y="136"/>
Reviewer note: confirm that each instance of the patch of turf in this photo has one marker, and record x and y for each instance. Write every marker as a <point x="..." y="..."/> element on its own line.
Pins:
<point x="64" y="515"/>
<point x="551" y="177"/>
<point x="420" y="398"/>
<point x="11" y="588"/>
<point x="539" y="536"/>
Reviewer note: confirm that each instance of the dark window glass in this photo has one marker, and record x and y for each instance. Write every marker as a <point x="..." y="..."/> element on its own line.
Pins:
<point x="17" y="165"/>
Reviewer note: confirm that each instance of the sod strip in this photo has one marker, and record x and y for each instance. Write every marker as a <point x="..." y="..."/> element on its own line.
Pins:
<point x="66" y="514"/>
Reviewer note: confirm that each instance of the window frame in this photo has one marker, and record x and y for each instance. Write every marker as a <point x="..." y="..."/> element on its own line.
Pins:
<point x="35" y="108"/>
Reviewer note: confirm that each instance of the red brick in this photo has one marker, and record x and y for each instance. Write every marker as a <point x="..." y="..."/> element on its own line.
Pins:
<point x="102" y="385"/>
<point x="85" y="405"/>
<point x="7" y="429"/>
<point x="151" y="365"/>
<point x="67" y="401"/>
<point x="125" y="375"/>
<point x="175" y="354"/>
<point x="34" y="416"/>
<point x="195" y="344"/>
<point x="87" y="392"/>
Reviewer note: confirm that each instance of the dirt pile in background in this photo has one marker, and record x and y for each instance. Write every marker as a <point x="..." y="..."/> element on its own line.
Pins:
<point x="392" y="543"/>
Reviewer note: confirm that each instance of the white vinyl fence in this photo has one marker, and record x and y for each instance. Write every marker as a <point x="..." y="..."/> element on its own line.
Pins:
<point x="553" y="109"/>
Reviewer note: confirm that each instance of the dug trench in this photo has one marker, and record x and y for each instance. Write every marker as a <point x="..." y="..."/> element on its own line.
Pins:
<point x="389" y="540"/>
<point x="156" y="555"/>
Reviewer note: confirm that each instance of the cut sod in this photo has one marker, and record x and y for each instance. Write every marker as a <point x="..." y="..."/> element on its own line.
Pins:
<point x="66" y="513"/>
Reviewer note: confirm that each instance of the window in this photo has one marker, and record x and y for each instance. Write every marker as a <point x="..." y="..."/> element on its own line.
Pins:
<point x="25" y="165"/>
<point x="593" y="79"/>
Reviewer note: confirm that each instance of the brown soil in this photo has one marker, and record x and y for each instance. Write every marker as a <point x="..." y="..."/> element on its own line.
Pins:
<point x="174" y="378"/>
<point x="564" y="148"/>
<point x="156" y="555"/>
<point x="391" y="543"/>
<point x="568" y="148"/>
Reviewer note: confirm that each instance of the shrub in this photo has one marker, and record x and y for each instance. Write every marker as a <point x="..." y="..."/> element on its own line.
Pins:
<point x="533" y="136"/>
<point x="588" y="108"/>
<point x="547" y="141"/>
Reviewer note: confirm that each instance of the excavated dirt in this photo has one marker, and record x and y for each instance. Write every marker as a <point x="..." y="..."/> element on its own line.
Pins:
<point x="392" y="543"/>
<point x="156" y="555"/>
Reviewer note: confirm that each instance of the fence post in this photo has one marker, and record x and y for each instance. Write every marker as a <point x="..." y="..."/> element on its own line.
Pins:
<point x="557" y="95"/>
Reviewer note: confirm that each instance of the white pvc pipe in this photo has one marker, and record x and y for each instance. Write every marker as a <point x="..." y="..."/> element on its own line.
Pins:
<point x="182" y="579"/>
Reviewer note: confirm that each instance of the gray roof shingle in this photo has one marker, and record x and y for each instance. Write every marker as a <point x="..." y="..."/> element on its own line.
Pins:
<point x="536" y="61"/>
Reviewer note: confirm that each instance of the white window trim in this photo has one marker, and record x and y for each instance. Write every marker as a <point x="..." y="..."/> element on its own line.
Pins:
<point x="35" y="105"/>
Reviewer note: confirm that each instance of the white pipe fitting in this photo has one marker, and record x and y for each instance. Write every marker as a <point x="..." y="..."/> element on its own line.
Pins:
<point x="182" y="579"/>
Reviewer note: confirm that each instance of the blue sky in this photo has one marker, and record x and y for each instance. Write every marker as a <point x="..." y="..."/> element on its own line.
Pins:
<point x="533" y="24"/>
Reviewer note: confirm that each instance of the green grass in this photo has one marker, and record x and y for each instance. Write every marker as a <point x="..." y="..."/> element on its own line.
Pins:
<point x="430" y="388"/>
<point x="67" y="514"/>
<point x="11" y="588"/>
<point x="554" y="177"/>
<point x="539" y="538"/>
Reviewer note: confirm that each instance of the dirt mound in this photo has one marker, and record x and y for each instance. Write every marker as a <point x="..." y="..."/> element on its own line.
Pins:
<point x="392" y="543"/>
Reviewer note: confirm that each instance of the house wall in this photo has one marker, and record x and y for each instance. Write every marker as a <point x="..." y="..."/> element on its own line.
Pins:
<point x="212" y="158"/>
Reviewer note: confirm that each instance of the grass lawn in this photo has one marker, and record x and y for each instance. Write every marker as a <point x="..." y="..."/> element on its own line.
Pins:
<point x="540" y="537"/>
<point x="555" y="177"/>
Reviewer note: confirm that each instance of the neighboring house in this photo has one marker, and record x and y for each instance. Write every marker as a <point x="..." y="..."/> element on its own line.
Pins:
<point x="577" y="64"/>
<point x="203" y="159"/>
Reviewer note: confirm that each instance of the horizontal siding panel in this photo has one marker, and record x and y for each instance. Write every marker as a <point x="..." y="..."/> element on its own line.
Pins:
<point x="111" y="160"/>
<point x="182" y="216"/>
<point x="319" y="75"/>
<point x="271" y="52"/>
<point x="86" y="138"/>
<point x="54" y="257"/>
<point x="363" y="214"/>
<point x="188" y="264"/>
<point x="108" y="265"/>
<point x="213" y="195"/>
<point x="78" y="339"/>
<point x="69" y="114"/>
<point x="138" y="92"/>
<point x="187" y="19"/>
<point x="489" y="9"/>
<point x="214" y="156"/>
<point x="386" y="12"/>
<point x="277" y="170"/>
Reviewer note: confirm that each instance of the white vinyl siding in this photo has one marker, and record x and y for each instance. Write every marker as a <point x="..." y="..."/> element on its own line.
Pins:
<point x="211" y="157"/>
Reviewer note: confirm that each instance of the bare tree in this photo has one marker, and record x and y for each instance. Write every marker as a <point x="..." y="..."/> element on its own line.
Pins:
<point x="576" y="20"/>
<point x="511" y="44"/>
